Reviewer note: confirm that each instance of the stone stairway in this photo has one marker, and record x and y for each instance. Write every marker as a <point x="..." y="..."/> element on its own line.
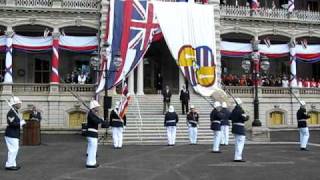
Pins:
<point x="145" y="120"/>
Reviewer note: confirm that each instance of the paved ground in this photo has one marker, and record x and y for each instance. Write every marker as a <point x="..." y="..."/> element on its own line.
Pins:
<point x="63" y="157"/>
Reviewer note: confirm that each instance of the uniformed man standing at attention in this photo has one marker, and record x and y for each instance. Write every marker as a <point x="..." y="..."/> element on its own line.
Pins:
<point x="12" y="133"/>
<point x="93" y="121"/>
<point x="192" y="123"/>
<point x="215" y="119"/>
<point x="170" y="121"/>
<point x="302" y="118"/>
<point x="118" y="125"/>
<point x="238" y="117"/>
<point x="225" y="124"/>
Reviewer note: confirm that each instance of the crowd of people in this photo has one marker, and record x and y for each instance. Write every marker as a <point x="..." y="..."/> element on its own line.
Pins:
<point x="269" y="80"/>
<point x="78" y="77"/>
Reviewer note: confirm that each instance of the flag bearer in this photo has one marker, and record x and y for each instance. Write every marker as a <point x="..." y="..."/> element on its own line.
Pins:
<point x="93" y="120"/>
<point x="215" y="118"/>
<point x="193" y="122"/>
<point x="12" y="133"/>
<point x="238" y="117"/>
<point x="225" y="124"/>
<point x="170" y="121"/>
<point x="118" y="125"/>
<point x="302" y="118"/>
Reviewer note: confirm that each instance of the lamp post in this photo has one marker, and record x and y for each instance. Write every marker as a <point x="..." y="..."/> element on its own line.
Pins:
<point x="254" y="62"/>
<point x="114" y="65"/>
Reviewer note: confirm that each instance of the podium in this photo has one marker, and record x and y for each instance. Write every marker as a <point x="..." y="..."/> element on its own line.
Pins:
<point x="31" y="133"/>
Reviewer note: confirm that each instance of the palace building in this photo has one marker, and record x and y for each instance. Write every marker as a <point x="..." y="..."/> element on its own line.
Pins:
<point x="46" y="44"/>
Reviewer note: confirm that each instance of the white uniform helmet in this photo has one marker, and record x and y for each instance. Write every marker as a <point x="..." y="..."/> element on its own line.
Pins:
<point x="216" y="104"/>
<point x="15" y="100"/>
<point x="171" y="108"/>
<point x="224" y="105"/>
<point x="303" y="103"/>
<point x="192" y="107"/>
<point x="94" y="104"/>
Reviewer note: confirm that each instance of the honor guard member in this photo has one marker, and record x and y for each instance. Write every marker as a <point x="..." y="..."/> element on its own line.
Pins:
<point x="93" y="120"/>
<point x="184" y="98"/>
<point x="118" y="125"/>
<point x="215" y="118"/>
<point x="192" y="123"/>
<point x="238" y="117"/>
<point x="302" y="118"/>
<point x="225" y="124"/>
<point x="170" y="121"/>
<point x="12" y="133"/>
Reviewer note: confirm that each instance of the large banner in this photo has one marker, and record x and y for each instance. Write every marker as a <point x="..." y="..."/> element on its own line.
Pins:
<point x="189" y="31"/>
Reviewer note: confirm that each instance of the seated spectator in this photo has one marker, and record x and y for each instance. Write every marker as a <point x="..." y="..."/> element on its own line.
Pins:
<point x="300" y="82"/>
<point x="82" y="78"/>
<point x="242" y="81"/>
<point x="306" y="83"/>
<point x="285" y="82"/>
<point x="313" y="83"/>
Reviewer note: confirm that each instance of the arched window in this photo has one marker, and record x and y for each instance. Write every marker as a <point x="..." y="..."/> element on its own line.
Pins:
<point x="76" y="118"/>
<point x="314" y="118"/>
<point x="276" y="118"/>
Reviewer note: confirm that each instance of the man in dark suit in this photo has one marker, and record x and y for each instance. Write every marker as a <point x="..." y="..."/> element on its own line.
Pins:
<point x="35" y="114"/>
<point x="166" y="93"/>
<point x="184" y="98"/>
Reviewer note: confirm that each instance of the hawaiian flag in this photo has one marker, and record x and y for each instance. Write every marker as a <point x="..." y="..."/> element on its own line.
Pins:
<point x="254" y="4"/>
<point x="132" y="26"/>
<point x="290" y="6"/>
<point x="124" y="103"/>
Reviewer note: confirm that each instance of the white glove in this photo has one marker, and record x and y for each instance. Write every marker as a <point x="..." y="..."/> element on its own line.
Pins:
<point x="22" y="122"/>
<point x="124" y="128"/>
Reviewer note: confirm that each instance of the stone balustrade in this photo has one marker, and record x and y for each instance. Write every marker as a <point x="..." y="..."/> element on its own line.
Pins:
<point x="66" y="4"/>
<point x="272" y="14"/>
<point x="77" y="88"/>
<point x="32" y="89"/>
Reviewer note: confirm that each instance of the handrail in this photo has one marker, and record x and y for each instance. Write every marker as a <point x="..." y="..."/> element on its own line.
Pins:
<point x="267" y="13"/>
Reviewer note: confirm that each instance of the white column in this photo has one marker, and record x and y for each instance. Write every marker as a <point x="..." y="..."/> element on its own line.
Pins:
<point x="293" y="65"/>
<point x="8" y="70"/>
<point x="131" y="82"/>
<point x="140" y="79"/>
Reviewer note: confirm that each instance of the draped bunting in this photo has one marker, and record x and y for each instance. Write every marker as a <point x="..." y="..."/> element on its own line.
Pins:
<point x="76" y="43"/>
<point x="32" y="43"/>
<point x="311" y="54"/>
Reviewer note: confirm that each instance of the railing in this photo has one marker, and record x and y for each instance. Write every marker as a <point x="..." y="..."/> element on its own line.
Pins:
<point x="309" y="91"/>
<point x="77" y="88"/>
<point x="240" y="89"/>
<point x="30" y="88"/>
<point x="244" y="11"/>
<point x="34" y="3"/>
<point x="275" y="90"/>
<point x="87" y="4"/>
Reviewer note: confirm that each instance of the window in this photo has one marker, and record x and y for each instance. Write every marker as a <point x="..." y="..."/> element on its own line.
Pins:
<point x="76" y="118"/>
<point x="314" y="118"/>
<point x="276" y="118"/>
<point x="42" y="71"/>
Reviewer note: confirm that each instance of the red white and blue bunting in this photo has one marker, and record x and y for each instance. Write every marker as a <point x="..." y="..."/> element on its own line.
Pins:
<point x="311" y="54"/>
